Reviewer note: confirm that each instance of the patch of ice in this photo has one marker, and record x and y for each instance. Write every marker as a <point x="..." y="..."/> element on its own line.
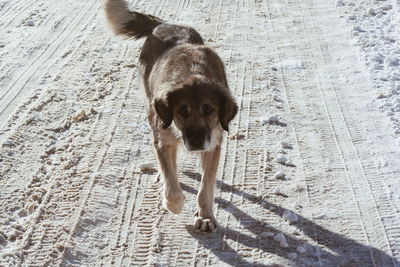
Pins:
<point x="372" y="12"/>
<point x="280" y="175"/>
<point x="281" y="159"/>
<point x="30" y="23"/>
<point x="286" y="145"/>
<point x="339" y="3"/>
<point x="292" y="255"/>
<point x="280" y="238"/>
<point x="289" y="163"/>
<point x="3" y="239"/>
<point x="277" y="191"/>
<point x="8" y="143"/>
<point x="290" y="63"/>
<point x="281" y="151"/>
<point x="290" y="217"/>
<point x="301" y="249"/>
<point x="271" y="119"/>
<point x="267" y="234"/>
<point x="276" y="98"/>
<point x="271" y="208"/>
<point x="284" y="244"/>
<point x="392" y="61"/>
<point x="386" y="7"/>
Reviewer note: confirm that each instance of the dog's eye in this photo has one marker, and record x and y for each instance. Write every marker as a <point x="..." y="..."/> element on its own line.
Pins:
<point x="208" y="109"/>
<point x="183" y="111"/>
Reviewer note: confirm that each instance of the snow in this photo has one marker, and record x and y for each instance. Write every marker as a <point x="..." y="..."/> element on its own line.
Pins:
<point x="280" y="175"/>
<point x="276" y="98"/>
<point x="8" y="143"/>
<point x="30" y="23"/>
<point x="281" y="159"/>
<point x="147" y="167"/>
<point x="277" y="191"/>
<point x="286" y="145"/>
<point x="281" y="239"/>
<point x="284" y="244"/>
<point x="376" y="32"/>
<point x="290" y="64"/>
<point x="301" y="249"/>
<point x="51" y="150"/>
<point x="317" y="84"/>
<point x="267" y="234"/>
<point x="289" y="163"/>
<point x="274" y="118"/>
<point x="340" y="3"/>
<point x="290" y="217"/>
<point x="284" y="160"/>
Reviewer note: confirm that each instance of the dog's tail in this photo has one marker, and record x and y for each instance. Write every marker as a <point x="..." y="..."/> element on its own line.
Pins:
<point x="129" y="23"/>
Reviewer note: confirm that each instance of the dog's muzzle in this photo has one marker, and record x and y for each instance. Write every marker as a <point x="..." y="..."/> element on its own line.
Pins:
<point x="196" y="139"/>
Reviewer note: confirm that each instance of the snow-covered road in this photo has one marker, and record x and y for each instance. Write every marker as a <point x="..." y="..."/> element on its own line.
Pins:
<point x="309" y="173"/>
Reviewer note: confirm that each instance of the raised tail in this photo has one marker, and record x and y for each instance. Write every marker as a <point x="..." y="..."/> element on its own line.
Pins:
<point x="129" y="23"/>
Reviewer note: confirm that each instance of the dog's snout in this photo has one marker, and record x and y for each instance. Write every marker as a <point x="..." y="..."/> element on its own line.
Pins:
<point x="195" y="138"/>
<point x="196" y="142"/>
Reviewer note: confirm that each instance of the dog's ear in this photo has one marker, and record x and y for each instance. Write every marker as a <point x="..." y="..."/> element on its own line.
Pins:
<point x="163" y="108"/>
<point x="227" y="109"/>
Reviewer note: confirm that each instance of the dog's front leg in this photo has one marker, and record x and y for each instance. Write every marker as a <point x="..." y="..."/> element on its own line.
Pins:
<point x="173" y="195"/>
<point x="205" y="220"/>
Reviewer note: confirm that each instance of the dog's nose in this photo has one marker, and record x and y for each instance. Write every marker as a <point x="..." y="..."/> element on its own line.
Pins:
<point x="196" y="143"/>
<point x="195" y="138"/>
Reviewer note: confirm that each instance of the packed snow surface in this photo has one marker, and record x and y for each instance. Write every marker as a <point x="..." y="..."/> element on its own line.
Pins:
<point x="309" y="170"/>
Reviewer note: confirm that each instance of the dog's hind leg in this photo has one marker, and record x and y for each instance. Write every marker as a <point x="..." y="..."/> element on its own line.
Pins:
<point x="205" y="220"/>
<point x="173" y="195"/>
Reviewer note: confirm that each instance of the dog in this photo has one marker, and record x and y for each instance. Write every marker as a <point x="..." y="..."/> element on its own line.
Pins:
<point x="189" y="101"/>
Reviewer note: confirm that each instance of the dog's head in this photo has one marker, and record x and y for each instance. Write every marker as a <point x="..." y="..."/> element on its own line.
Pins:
<point x="196" y="110"/>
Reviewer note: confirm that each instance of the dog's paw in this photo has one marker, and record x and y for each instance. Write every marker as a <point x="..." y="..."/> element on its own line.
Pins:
<point x="205" y="224"/>
<point x="175" y="203"/>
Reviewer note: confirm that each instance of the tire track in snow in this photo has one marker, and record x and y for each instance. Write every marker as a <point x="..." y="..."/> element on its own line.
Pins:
<point x="339" y="139"/>
<point x="19" y="7"/>
<point x="19" y="85"/>
<point x="294" y="100"/>
<point x="113" y="216"/>
<point x="24" y="136"/>
<point x="228" y="160"/>
<point x="98" y="205"/>
<point x="65" y="191"/>
<point x="181" y="248"/>
<point x="147" y="229"/>
<point x="60" y="200"/>
<point x="374" y="181"/>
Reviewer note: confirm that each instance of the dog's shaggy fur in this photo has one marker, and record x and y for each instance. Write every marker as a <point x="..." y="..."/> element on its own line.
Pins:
<point x="189" y="100"/>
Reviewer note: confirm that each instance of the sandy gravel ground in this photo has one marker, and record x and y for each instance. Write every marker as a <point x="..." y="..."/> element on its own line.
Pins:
<point x="310" y="172"/>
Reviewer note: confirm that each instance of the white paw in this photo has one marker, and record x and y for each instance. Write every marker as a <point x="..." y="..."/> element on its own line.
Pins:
<point x="205" y="224"/>
<point x="175" y="203"/>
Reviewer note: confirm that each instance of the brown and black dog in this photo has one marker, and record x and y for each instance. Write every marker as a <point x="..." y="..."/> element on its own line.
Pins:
<point x="188" y="100"/>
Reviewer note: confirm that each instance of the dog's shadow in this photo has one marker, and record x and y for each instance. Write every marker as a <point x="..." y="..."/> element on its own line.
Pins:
<point x="338" y="249"/>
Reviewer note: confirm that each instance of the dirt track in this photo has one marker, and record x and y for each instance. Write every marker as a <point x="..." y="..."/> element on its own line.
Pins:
<point x="74" y="135"/>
